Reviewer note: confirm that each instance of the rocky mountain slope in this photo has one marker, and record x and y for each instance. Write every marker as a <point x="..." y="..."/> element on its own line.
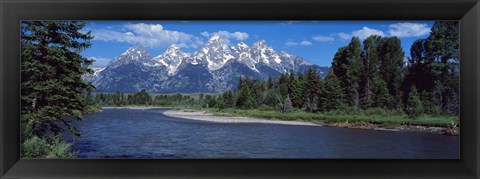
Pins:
<point x="215" y="67"/>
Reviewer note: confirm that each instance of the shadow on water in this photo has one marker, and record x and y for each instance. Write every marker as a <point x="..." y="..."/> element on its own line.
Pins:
<point x="147" y="133"/>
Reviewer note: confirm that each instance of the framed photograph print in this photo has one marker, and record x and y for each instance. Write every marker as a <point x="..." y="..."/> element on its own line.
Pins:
<point x="239" y="89"/>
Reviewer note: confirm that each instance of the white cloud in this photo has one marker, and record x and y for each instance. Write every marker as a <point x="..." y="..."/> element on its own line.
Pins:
<point x="322" y="38"/>
<point x="404" y="29"/>
<point x="303" y="43"/>
<point x="291" y="22"/>
<point x="99" y="61"/>
<point x="344" y="35"/>
<point x="290" y="43"/>
<point x="366" y="32"/>
<point x="148" y="35"/>
<point x="226" y="36"/>
<point x="408" y="29"/>
<point x="206" y="34"/>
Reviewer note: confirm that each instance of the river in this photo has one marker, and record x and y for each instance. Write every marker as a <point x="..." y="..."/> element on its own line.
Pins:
<point x="147" y="133"/>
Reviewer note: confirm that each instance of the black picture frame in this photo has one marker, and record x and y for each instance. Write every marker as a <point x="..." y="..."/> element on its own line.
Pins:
<point x="13" y="11"/>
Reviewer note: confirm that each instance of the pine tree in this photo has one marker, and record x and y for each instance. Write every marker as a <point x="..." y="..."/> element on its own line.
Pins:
<point x="212" y="102"/>
<point x="392" y="68"/>
<point x="331" y="97"/>
<point x="228" y="99"/>
<point x="370" y="53"/>
<point x="269" y="82"/>
<point x="347" y="65"/>
<point x="443" y="48"/>
<point x="221" y="102"/>
<point x="414" y="105"/>
<point x="52" y="86"/>
<point x="244" y="94"/>
<point x="311" y="90"/>
<point x="295" y="91"/>
<point x="288" y="105"/>
<point x="382" y="97"/>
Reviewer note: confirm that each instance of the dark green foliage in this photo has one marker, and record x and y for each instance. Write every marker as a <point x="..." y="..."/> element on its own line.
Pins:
<point x="244" y="94"/>
<point x="229" y="99"/>
<point x="347" y="66"/>
<point x="212" y="102"/>
<point x="331" y="97"/>
<point x="392" y="68"/>
<point x="141" y="97"/>
<point x="370" y="55"/>
<point x="295" y="91"/>
<point x="443" y="48"/>
<point x="311" y="90"/>
<point x="382" y="97"/>
<point x="220" y="103"/>
<point x="52" y="67"/>
<point x="414" y="106"/>
<point x="434" y="68"/>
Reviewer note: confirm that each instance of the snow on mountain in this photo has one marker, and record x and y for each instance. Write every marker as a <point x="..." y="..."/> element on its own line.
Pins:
<point x="215" y="67"/>
<point x="133" y="55"/>
<point x="243" y="55"/>
<point x="215" y="53"/>
<point x="171" y="58"/>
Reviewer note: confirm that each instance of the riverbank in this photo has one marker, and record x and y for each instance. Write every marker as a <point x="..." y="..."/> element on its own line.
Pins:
<point x="437" y="125"/>
<point x="210" y="117"/>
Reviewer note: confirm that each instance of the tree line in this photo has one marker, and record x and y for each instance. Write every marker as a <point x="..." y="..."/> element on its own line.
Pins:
<point x="372" y="74"/>
<point x="143" y="98"/>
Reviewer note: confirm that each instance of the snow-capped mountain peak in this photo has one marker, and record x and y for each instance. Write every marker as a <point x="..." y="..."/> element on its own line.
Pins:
<point x="242" y="45"/>
<point x="137" y="51"/>
<point x="215" y="67"/>
<point x="136" y="54"/>
<point x="171" y="58"/>
<point x="215" y="37"/>
<point x="215" y="53"/>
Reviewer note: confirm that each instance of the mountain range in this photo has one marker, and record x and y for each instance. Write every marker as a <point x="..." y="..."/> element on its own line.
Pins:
<point x="215" y="67"/>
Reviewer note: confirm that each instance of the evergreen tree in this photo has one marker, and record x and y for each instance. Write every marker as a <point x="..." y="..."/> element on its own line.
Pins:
<point x="370" y="53"/>
<point x="212" y="102"/>
<point x="221" y="102"/>
<point x="331" y="97"/>
<point x="414" y="105"/>
<point x="294" y="91"/>
<point x="244" y="94"/>
<point x="52" y="86"/>
<point x="391" y="68"/>
<point x="228" y="99"/>
<point x="311" y="90"/>
<point x="288" y="105"/>
<point x="443" y="48"/>
<point x="283" y="85"/>
<point x="347" y="65"/>
<point x="269" y="82"/>
<point x="142" y="97"/>
<point x="382" y="96"/>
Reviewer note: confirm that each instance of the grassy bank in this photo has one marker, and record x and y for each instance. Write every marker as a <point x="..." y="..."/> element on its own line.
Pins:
<point x="366" y="119"/>
<point x="327" y="118"/>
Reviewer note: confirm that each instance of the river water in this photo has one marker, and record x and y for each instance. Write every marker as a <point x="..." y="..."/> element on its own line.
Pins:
<point x="147" y="133"/>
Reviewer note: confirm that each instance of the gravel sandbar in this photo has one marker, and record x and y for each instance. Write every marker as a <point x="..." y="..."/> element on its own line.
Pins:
<point x="204" y="116"/>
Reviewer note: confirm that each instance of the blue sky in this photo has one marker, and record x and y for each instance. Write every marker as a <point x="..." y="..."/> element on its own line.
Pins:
<point x="316" y="41"/>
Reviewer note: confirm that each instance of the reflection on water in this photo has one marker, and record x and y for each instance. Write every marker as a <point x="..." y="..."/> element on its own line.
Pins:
<point x="147" y="133"/>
